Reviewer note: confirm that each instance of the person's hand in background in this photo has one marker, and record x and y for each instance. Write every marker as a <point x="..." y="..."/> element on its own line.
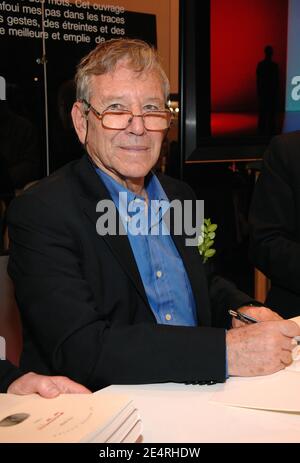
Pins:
<point x="45" y="386"/>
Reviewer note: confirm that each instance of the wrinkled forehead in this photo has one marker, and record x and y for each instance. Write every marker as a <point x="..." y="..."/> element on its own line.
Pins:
<point x="124" y="79"/>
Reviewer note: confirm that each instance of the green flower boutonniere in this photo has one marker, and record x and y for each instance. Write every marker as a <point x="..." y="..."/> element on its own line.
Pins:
<point x="206" y="239"/>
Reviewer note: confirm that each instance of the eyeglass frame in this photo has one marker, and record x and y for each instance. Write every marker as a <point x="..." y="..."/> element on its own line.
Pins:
<point x="125" y="111"/>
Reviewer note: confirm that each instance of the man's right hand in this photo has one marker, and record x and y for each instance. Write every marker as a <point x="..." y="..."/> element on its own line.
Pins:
<point x="260" y="348"/>
<point x="46" y="386"/>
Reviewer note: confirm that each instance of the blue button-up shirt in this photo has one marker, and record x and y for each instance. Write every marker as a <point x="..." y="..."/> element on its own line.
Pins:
<point x="163" y="274"/>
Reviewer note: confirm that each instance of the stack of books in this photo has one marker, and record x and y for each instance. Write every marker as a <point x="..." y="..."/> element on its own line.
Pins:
<point x="109" y="418"/>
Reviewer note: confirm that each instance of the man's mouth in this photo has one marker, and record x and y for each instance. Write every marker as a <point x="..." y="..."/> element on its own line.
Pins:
<point x="134" y="148"/>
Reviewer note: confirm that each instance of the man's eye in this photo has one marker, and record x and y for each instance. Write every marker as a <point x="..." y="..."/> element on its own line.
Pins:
<point x="151" y="107"/>
<point x="115" y="107"/>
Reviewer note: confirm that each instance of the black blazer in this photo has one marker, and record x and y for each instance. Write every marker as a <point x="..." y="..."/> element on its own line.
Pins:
<point x="275" y="223"/>
<point x="8" y="373"/>
<point x="83" y="305"/>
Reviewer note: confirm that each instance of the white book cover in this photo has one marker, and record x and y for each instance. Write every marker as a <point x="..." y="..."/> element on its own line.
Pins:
<point x="67" y="418"/>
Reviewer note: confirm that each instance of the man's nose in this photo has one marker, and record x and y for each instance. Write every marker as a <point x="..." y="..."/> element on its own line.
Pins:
<point x="136" y="125"/>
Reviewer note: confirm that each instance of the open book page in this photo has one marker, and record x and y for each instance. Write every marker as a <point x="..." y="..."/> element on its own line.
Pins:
<point x="66" y="418"/>
<point x="277" y="392"/>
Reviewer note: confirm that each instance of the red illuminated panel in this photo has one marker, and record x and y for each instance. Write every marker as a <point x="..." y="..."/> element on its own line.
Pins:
<point x="240" y="29"/>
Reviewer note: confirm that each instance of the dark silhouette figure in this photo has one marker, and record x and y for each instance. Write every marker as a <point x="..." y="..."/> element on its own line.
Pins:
<point x="267" y="80"/>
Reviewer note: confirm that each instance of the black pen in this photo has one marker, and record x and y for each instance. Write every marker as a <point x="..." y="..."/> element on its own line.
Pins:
<point x="242" y="316"/>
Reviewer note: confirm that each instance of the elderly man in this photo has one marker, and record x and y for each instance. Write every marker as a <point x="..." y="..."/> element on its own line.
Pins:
<point x="120" y="308"/>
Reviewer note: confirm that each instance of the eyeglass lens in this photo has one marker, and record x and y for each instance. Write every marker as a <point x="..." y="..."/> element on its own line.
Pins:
<point x="152" y="121"/>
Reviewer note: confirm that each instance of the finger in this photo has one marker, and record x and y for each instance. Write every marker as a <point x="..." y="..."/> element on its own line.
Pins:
<point x="283" y="366"/>
<point x="276" y="316"/>
<point x="68" y="386"/>
<point x="47" y="388"/>
<point x="269" y="314"/>
<point x="261" y="313"/>
<point x="289" y="328"/>
<point x="288" y="344"/>
<point x="296" y="353"/>
<point x="286" y="357"/>
<point x="21" y="387"/>
<point x="237" y="323"/>
<point x="31" y="383"/>
<point x="265" y="314"/>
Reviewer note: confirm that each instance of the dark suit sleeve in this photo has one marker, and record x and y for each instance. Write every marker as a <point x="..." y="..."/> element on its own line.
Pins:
<point x="68" y="333"/>
<point x="274" y="246"/>
<point x="224" y="295"/>
<point x="8" y="374"/>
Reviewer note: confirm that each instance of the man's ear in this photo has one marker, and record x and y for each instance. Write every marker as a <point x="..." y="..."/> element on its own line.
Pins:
<point x="79" y="120"/>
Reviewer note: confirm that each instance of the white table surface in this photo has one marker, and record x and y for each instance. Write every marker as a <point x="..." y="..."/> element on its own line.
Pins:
<point x="185" y="414"/>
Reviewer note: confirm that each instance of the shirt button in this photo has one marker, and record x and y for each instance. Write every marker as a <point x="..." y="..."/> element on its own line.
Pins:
<point x="168" y="317"/>
<point x="158" y="273"/>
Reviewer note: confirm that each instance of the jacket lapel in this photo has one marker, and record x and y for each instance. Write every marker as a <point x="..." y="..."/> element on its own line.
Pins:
<point x="92" y="190"/>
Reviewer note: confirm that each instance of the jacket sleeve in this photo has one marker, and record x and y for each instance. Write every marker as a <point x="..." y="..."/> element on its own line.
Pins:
<point x="224" y="295"/>
<point x="8" y="374"/>
<point x="274" y="245"/>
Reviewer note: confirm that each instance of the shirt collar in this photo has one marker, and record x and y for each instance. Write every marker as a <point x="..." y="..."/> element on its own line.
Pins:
<point x="158" y="200"/>
<point x="152" y="185"/>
